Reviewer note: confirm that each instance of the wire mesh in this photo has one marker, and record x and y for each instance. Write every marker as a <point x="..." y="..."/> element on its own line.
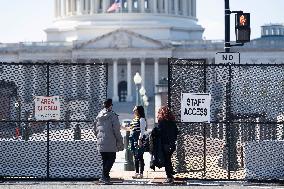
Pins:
<point x="65" y="148"/>
<point x="247" y="107"/>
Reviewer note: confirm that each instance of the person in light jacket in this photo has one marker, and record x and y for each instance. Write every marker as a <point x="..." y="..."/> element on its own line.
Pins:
<point x="108" y="137"/>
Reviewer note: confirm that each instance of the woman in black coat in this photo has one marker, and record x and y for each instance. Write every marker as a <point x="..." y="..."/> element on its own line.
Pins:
<point x="168" y="134"/>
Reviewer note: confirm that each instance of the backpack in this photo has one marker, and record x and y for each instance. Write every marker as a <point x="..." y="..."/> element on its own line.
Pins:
<point x="146" y="141"/>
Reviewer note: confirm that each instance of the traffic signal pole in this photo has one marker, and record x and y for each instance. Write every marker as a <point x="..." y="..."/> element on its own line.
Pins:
<point x="227" y="26"/>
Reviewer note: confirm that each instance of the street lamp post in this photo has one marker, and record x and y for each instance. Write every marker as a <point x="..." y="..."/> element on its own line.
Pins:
<point x="145" y="103"/>
<point x="137" y="80"/>
<point x="144" y="99"/>
<point x="142" y="92"/>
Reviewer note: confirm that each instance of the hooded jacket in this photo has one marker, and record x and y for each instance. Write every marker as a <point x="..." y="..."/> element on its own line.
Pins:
<point x="108" y="132"/>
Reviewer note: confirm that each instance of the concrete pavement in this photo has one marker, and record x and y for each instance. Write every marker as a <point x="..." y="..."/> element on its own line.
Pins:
<point x="136" y="185"/>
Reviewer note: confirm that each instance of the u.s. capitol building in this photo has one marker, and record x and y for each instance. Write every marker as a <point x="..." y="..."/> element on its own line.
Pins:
<point x="139" y="37"/>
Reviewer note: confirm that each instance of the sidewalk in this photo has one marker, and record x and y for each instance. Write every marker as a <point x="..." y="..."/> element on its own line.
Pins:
<point x="137" y="184"/>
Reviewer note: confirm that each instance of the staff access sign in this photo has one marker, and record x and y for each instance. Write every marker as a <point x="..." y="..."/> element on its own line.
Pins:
<point x="47" y="108"/>
<point x="195" y="107"/>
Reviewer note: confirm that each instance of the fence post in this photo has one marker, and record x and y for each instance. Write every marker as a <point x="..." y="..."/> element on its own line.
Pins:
<point x="231" y="138"/>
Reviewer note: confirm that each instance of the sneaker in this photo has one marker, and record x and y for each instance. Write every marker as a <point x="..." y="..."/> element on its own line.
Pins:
<point x="140" y="176"/>
<point x="136" y="176"/>
<point x="104" y="181"/>
<point x="169" y="181"/>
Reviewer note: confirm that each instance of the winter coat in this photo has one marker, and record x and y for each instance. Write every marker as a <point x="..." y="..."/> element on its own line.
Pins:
<point x="168" y="132"/>
<point x="156" y="151"/>
<point x="108" y="132"/>
<point x="162" y="139"/>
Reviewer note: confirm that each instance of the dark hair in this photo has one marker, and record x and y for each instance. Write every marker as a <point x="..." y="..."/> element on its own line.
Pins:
<point x="108" y="103"/>
<point x="140" y="111"/>
<point x="164" y="113"/>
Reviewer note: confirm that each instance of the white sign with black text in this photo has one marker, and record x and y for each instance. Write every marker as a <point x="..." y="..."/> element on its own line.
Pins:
<point x="195" y="107"/>
<point x="227" y="58"/>
<point x="47" y="108"/>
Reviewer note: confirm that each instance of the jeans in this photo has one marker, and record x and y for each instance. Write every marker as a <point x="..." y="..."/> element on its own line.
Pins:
<point x="137" y="152"/>
<point x="108" y="161"/>
<point x="168" y="151"/>
<point x="139" y="162"/>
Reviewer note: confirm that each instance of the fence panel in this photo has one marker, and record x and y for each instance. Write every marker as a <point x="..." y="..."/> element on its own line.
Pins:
<point x="50" y="149"/>
<point x="247" y="106"/>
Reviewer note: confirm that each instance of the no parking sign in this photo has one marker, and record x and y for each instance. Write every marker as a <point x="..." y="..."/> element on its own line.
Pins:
<point x="195" y="107"/>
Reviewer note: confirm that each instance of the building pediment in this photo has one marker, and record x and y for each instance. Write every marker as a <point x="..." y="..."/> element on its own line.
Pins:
<point x="120" y="39"/>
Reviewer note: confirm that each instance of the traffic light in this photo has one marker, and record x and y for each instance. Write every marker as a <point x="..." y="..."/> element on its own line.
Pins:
<point x="242" y="27"/>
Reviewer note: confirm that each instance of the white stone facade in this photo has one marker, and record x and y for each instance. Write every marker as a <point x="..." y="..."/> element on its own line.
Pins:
<point x="136" y="39"/>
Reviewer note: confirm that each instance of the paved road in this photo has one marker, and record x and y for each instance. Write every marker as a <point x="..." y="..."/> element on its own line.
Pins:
<point x="91" y="185"/>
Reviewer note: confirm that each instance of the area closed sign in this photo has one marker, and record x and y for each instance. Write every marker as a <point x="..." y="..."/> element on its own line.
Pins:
<point x="47" y="108"/>
<point x="195" y="107"/>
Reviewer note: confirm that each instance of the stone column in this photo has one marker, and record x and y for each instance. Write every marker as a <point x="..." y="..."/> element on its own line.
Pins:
<point x="176" y="7"/>
<point x="115" y="81"/>
<point x="59" y="8"/>
<point x="167" y="6"/>
<point x="129" y="5"/>
<point x="96" y="6"/>
<point x="156" y="72"/>
<point x="155" y="6"/>
<point x="193" y="8"/>
<point x="184" y="7"/>
<point x="87" y="11"/>
<point x="160" y="6"/>
<point x="170" y="7"/>
<point x="129" y="82"/>
<point x="72" y="7"/>
<point x="55" y="9"/>
<point x="92" y="7"/>
<point x="106" y="4"/>
<point x="80" y="7"/>
<point x="67" y="7"/>
<point x="64" y="8"/>
<point x="143" y="72"/>
<point x="142" y="6"/>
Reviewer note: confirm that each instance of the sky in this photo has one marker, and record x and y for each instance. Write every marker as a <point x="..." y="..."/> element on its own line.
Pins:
<point x="25" y="20"/>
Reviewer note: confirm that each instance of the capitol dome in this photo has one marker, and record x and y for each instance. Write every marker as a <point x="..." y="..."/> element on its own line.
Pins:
<point x="163" y="20"/>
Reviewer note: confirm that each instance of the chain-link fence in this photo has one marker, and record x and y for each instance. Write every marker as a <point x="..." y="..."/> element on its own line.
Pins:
<point x="65" y="148"/>
<point x="247" y="113"/>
